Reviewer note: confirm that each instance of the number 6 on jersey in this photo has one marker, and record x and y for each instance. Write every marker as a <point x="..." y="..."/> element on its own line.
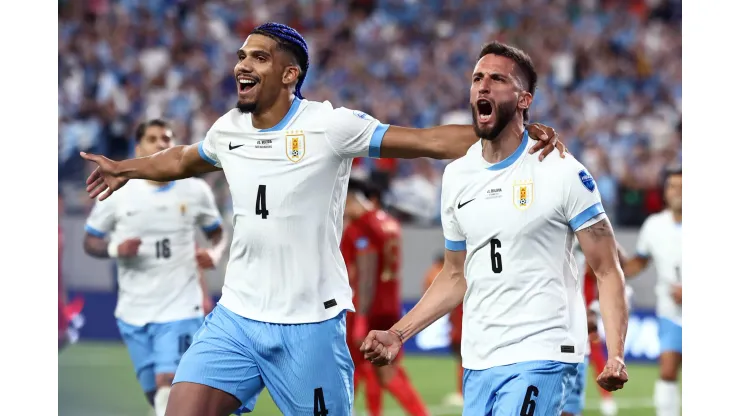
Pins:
<point x="496" y="265"/>
<point x="261" y="204"/>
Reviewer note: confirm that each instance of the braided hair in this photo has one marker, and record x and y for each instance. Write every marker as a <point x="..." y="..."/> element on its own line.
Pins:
<point x="288" y="39"/>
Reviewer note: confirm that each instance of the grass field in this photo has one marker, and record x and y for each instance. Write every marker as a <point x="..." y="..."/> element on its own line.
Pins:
<point x="97" y="379"/>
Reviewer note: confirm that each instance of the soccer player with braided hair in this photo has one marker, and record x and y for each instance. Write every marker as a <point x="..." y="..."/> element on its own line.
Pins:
<point x="281" y="320"/>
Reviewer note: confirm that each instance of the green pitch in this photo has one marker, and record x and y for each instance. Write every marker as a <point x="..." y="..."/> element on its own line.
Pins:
<point x="97" y="379"/>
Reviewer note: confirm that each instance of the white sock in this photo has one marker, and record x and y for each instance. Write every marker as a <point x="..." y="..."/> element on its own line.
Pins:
<point x="160" y="400"/>
<point x="667" y="399"/>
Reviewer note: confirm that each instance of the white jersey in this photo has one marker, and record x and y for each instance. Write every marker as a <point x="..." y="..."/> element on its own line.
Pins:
<point x="660" y="240"/>
<point x="289" y="185"/>
<point x="516" y="219"/>
<point x="161" y="283"/>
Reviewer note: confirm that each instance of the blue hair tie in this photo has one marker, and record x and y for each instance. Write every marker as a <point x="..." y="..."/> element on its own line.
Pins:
<point x="289" y="35"/>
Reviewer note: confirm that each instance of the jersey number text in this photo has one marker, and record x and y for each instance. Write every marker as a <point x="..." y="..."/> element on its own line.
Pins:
<point x="496" y="265"/>
<point x="528" y="405"/>
<point x="163" y="249"/>
<point x="319" y="406"/>
<point x="260" y="207"/>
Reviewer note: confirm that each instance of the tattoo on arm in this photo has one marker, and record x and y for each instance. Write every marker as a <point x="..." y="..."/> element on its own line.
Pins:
<point x="600" y="230"/>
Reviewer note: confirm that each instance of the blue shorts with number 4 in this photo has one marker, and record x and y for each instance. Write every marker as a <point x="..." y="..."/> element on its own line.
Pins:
<point x="306" y="368"/>
<point x="576" y="401"/>
<point x="532" y="388"/>
<point x="156" y="348"/>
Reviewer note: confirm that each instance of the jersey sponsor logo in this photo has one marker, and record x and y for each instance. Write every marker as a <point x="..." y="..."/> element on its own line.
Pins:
<point x="460" y="205"/>
<point x="263" y="144"/>
<point x="234" y="147"/>
<point x="587" y="180"/>
<point x="494" y="193"/>
<point x="523" y="194"/>
<point x="183" y="209"/>
<point x="295" y="145"/>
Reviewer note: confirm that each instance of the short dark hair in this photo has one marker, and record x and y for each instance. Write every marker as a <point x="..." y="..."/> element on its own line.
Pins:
<point x="155" y="122"/>
<point x="290" y="41"/>
<point x="671" y="171"/>
<point x="523" y="63"/>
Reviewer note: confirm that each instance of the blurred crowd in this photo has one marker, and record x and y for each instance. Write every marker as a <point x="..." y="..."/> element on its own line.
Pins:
<point x="610" y="76"/>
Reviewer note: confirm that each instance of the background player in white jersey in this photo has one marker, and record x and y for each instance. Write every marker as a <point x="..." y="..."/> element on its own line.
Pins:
<point x="509" y="223"/>
<point x="162" y="292"/>
<point x="280" y="322"/>
<point x="660" y="241"/>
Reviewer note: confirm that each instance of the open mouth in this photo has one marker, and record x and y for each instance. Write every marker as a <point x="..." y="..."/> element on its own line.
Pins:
<point x="485" y="110"/>
<point x="245" y="84"/>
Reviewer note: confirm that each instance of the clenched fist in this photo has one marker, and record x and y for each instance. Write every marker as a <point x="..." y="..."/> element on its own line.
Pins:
<point x="381" y="347"/>
<point x="614" y="375"/>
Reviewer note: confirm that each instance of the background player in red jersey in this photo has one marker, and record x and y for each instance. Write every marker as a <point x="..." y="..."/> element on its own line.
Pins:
<point x="373" y="239"/>
<point x="363" y="369"/>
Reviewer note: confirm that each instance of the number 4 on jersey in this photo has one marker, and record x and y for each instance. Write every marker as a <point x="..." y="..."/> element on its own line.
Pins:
<point x="261" y="205"/>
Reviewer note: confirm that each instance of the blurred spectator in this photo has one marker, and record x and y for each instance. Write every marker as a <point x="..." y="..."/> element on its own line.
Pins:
<point x="610" y="75"/>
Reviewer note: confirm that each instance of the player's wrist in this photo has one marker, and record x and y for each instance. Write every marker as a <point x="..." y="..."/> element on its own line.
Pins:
<point x="616" y="357"/>
<point x="398" y="334"/>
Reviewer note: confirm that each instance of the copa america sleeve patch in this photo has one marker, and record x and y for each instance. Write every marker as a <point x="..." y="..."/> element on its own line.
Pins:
<point x="362" y="243"/>
<point x="587" y="180"/>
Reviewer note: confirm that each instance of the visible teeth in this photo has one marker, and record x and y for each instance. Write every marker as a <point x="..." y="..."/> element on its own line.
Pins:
<point x="246" y="81"/>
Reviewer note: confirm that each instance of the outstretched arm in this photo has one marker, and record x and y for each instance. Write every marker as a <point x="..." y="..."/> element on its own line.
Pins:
<point x="453" y="141"/>
<point x="446" y="292"/>
<point x="174" y="163"/>
<point x="600" y="248"/>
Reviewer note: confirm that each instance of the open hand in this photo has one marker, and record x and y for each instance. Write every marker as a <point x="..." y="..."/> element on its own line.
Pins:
<point x="547" y="140"/>
<point x="105" y="179"/>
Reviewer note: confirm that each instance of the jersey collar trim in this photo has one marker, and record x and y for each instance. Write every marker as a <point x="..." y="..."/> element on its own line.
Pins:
<point x="284" y="122"/>
<point x="512" y="157"/>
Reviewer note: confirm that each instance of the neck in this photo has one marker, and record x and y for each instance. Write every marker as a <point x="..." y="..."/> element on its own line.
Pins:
<point x="272" y="115"/>
<point x="677" y="216"/>
<point x="505" y="144"/>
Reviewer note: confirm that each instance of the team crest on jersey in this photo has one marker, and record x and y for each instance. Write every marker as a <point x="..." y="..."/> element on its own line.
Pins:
<point x="523" y="194"/>
<point x="295" y="145"/>
<point x="183" y="209"/>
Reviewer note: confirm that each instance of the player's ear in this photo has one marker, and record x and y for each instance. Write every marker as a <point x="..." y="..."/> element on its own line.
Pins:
<point x="290" y="74"/>
<point x="525" y="100"/>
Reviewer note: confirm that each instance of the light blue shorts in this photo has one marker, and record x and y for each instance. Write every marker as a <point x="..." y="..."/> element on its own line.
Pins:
<point x="156" y="348"/>
<point x="669" y="334"/>
<point x="532" y="388"/>
<point x="576" y="401"/>
<point x="306" y="368"/>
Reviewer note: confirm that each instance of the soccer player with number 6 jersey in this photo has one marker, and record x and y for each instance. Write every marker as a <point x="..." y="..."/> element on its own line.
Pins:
<point x="510" y="223"/>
